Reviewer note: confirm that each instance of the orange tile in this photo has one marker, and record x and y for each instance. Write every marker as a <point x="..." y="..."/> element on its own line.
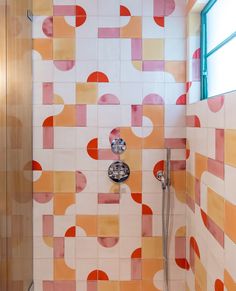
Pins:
<point x="61" y="29"/>
<point x="200" y="165"/>
<point x="133" y="158"/>
<point x="62" y="271"/>
<point x="216" y="207"/>
<point x="67" y="117"/>
<point x="108" y="286"/>
<point x="147" y="285"/>
<point x="135" y="182"/>
<point x="153" y="49"/>
<point x="44" y="47"/>
<point x="150" y="267"/>
<point x="62" y="201"/>
<point x="64" y="182"/>
<point x="132" y="140"/>
<point x="88" y="223"/>
<point x="133" y="29"/>
<point x="152" y="247"/>
<point x="130" y="286"/>
<point x="155" y="113"/>
<point x="86" y="93"/>
<point x="190" y="185"/>
<point x="63" y="49"/>
<point x="108" y="226"/>
<point x="43" y="7"/>
<point x="230" y="147"/>
<point x="155" y="140"/>
<point x="230" y="217"/>
<point x="44" y="183"/>
<point x="178" y="181"/>
<point x="230" y="284"/>
<point x="200" y="275"/>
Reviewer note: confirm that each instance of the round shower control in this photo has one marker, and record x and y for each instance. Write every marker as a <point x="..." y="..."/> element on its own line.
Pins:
<point x="118" y="146"/>
<point x="118" y="172"/>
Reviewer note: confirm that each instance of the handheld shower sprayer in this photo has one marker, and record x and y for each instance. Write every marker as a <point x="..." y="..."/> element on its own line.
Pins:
<point x="161" y="177"/>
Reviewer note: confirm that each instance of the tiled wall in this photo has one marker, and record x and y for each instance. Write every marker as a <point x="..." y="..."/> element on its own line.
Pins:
<point x="104" y="69"/>
<point x="211" y="172"/>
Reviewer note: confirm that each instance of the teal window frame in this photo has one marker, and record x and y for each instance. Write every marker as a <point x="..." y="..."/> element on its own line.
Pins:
<point x="203" y="46"/>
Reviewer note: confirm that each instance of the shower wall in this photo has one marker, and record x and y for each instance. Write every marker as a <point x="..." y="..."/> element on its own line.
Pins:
<point x="211" y="170"/>
<point x="107" y="69"/>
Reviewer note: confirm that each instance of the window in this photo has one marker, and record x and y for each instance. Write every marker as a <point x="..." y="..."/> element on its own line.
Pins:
<point x="218" y="48"/>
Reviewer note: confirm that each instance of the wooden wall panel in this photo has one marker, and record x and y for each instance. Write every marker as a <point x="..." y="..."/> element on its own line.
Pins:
<point x="17" y="131"/>
<point x="3" y="224"/>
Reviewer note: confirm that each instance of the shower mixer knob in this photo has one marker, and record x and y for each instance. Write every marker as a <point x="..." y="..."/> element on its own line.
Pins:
<point x="118" y="146"/>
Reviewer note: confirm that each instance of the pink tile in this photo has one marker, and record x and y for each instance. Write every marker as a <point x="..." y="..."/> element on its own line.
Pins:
<point x="81" y="181"/>
<point x="153" y="99"/>
<point x="180" y="247"/>
<point x="216" y="103"/>
<point x="47" y="26"/>
<point x="43" y="197"/>
<point x="64" y="65"/>
<point x="193" y="121"/>
<point x="216" y="168"/>
<point x="219" y="143"/>
<point x="136" y="269"/>
<point x="108" y="198"/>
<point x="108" y="242"/>
<point x="63" y="10"/>
<point x="48" y="285"/>
<point x="109" y="32"/>
<point x="178" y="165"/>
<point x="48" y="137"/>
<point x="108" y="99"/>
<point x="107" y="154"/>
<point x="59" y="247"/>
<point x="136" y="115"/>
<point x="48" y="93"/>
<point x="136" y="49"/>
<point x="154" y="66"/>
<point x="47" y="225"/>
<point x="175" y="143"/>
<point x="64" y="285"/>
<point x="81" y="115"/>
<point x="146" y="225"/>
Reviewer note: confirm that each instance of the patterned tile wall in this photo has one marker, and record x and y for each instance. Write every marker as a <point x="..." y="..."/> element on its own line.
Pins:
<point x="106" y="69"/>
<point x="211" y="170"/>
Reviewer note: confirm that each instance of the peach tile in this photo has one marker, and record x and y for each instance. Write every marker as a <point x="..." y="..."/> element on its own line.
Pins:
<point x="86" y="93"/>
<point x="215" y="207"/>
<point x="230" y="216"/>
<point x="133" y="29"/>
<point x="130" y="285"/>
<point x="64" y="182"/>
<point x="61" y="29"/>
<point x="44" y="183"/>
<point x="177" y="69"/>
<point x="62" y="271"/>
<point x="63" y="49"/>
<point x="44" y="48"/>
<point x="200" y="275"/>
<point x="88" y="223"/>
<point x="152" y="247"/>
<point x="230" y="147"/>
<point x="155" y="140"/>
<point x="62" y="201"/>
<point x="150" y="267"/>
<point x="200" y="165"/>
<point x="44" y="7"/>
<point x="135" y="182"/>
<point x="67" y="118"/>
<point x="108" y="286"/>
<point x="155" y="113"/>
<point x="153" y="49"/>
<point x="133" y="158"/>
<point x="108" y="225"/>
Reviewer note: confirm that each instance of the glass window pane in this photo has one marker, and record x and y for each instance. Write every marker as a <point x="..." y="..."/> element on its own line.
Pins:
<point x="222" y="70"/>
<point x="221" y="22"/>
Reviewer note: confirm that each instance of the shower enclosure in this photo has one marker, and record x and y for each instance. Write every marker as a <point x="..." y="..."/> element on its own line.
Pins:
<point x="16" y="236"/>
